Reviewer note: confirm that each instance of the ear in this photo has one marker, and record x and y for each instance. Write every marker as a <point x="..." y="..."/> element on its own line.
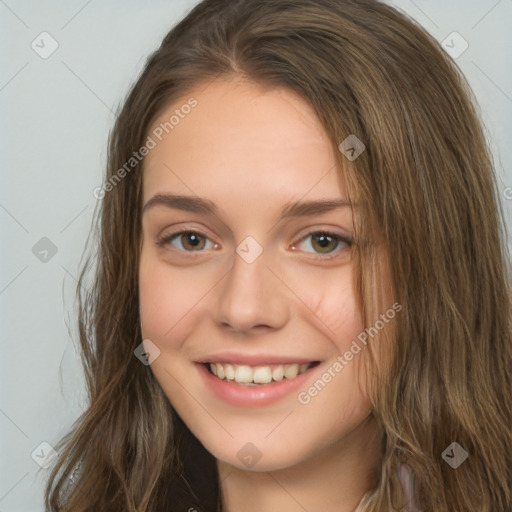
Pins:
<point x="406" y="478"/>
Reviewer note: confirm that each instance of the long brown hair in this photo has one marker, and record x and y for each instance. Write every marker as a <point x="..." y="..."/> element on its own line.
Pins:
<point x="424" y="183"/>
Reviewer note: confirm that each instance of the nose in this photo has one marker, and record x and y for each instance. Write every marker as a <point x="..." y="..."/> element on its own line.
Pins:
<point x="251" y="297"/>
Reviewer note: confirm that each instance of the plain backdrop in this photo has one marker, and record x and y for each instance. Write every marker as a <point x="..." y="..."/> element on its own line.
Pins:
<point x="56" y="111"/>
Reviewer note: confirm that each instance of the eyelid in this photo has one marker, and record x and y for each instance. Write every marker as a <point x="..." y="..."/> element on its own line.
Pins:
<point x="168" y="237"/>
<point x="343" y="238"/>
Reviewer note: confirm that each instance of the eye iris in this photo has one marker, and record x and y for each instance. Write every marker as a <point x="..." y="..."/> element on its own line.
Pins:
<point x="323" y="241"/>
<point x="194" y="239"/>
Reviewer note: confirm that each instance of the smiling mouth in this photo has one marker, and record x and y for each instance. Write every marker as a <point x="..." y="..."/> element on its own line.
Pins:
<point x="258" y="375"/>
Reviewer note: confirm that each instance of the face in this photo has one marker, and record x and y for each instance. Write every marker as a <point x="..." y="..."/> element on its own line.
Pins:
<point x="247" y="262"/>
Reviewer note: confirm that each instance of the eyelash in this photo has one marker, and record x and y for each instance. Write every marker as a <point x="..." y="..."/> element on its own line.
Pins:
<point x="167" y="239"/>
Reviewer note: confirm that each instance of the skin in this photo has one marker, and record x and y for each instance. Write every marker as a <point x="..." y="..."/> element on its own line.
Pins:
<point x="251" y="151"/>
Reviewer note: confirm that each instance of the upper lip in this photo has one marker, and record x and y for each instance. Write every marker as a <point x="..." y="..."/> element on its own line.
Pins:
<point x="254" y="359"/>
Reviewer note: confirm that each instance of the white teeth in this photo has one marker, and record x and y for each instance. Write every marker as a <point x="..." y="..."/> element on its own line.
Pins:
<point x="291" y="371"/>
<point x="251" y="376"/>
<point x="229" y="371"/>
<point x="278" y="373"/>
<point x="262" y="375"/>
<point x="242" y="373"/>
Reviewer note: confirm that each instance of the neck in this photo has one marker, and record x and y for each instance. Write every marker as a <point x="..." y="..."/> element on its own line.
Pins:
<point x="333" y="480"/>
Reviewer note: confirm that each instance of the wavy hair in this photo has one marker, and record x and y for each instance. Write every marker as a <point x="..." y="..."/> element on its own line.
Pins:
<point x="425" y="183"/>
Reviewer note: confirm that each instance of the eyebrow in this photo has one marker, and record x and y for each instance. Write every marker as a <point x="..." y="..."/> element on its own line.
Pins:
<point x="205" y="206"/>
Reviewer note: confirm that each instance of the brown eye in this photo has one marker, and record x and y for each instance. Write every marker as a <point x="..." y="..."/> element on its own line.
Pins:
<point x="323" y="243"/>
<point x="191" y="241"/>
<point x="187" y="241"/>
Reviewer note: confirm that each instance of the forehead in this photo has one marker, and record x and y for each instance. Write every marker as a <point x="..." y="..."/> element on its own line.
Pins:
<point x="241" y="139"/>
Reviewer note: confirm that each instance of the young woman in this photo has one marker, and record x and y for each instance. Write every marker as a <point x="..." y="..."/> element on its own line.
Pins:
<point x="302" y="297"/>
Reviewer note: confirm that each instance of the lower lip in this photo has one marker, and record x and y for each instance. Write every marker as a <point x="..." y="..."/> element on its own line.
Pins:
<point x="247" y="396"/>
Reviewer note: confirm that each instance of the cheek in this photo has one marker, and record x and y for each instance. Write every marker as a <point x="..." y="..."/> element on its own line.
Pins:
<point x="160" y="305"/>
<point x="168" y="296"/>
<point x="329" y="303"/>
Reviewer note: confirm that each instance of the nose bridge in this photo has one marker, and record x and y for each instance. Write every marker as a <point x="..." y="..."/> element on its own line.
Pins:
<point x="251" y="296"/>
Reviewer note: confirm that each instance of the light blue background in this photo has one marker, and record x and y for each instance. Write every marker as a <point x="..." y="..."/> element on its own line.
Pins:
<point x="56" y="114"/>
